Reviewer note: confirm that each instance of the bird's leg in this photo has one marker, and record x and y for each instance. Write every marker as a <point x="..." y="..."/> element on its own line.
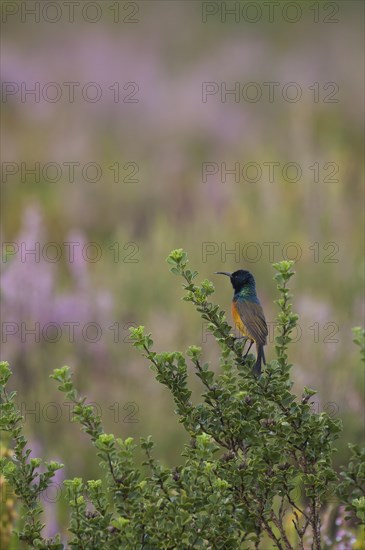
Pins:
<point x="249" y="347"/>
<point x="244" y="344"/>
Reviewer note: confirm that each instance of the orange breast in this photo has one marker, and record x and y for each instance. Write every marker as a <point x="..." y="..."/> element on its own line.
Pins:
<point x="238" y="321"/>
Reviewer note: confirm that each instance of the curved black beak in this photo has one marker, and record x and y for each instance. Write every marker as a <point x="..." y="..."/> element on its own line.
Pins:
<point x="223" y="273"/>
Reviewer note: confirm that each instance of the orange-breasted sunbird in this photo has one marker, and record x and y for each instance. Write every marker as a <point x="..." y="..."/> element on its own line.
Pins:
<point x="248" y="314"/>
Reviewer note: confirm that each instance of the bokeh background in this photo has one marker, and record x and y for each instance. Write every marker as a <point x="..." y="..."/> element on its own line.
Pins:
<point x="159" y="201"/>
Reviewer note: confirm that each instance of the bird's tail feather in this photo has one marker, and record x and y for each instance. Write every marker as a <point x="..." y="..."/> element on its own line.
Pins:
<point x="260" y="358"/>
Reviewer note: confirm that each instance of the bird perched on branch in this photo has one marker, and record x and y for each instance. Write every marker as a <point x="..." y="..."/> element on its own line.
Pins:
<point x="248" y="314"/>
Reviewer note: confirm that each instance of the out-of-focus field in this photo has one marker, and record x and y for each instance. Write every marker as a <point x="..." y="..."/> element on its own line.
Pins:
<point x="167" y="136"/>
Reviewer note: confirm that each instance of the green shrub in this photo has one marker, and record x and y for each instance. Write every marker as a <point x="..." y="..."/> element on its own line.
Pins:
<point x="257" y="472"/>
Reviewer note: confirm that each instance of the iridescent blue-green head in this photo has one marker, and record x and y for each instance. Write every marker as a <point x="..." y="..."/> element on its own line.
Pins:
<point x="240" y="280"/>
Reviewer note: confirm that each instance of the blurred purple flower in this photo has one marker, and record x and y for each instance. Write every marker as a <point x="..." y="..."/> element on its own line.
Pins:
<point x="29" y="291"/>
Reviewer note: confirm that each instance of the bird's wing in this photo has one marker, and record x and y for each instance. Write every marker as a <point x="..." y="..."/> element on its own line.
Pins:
<point x="253" y="318"/>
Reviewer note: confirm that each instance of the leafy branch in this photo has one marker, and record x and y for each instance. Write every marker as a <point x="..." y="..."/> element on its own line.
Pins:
<point x="256" y="471"/>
